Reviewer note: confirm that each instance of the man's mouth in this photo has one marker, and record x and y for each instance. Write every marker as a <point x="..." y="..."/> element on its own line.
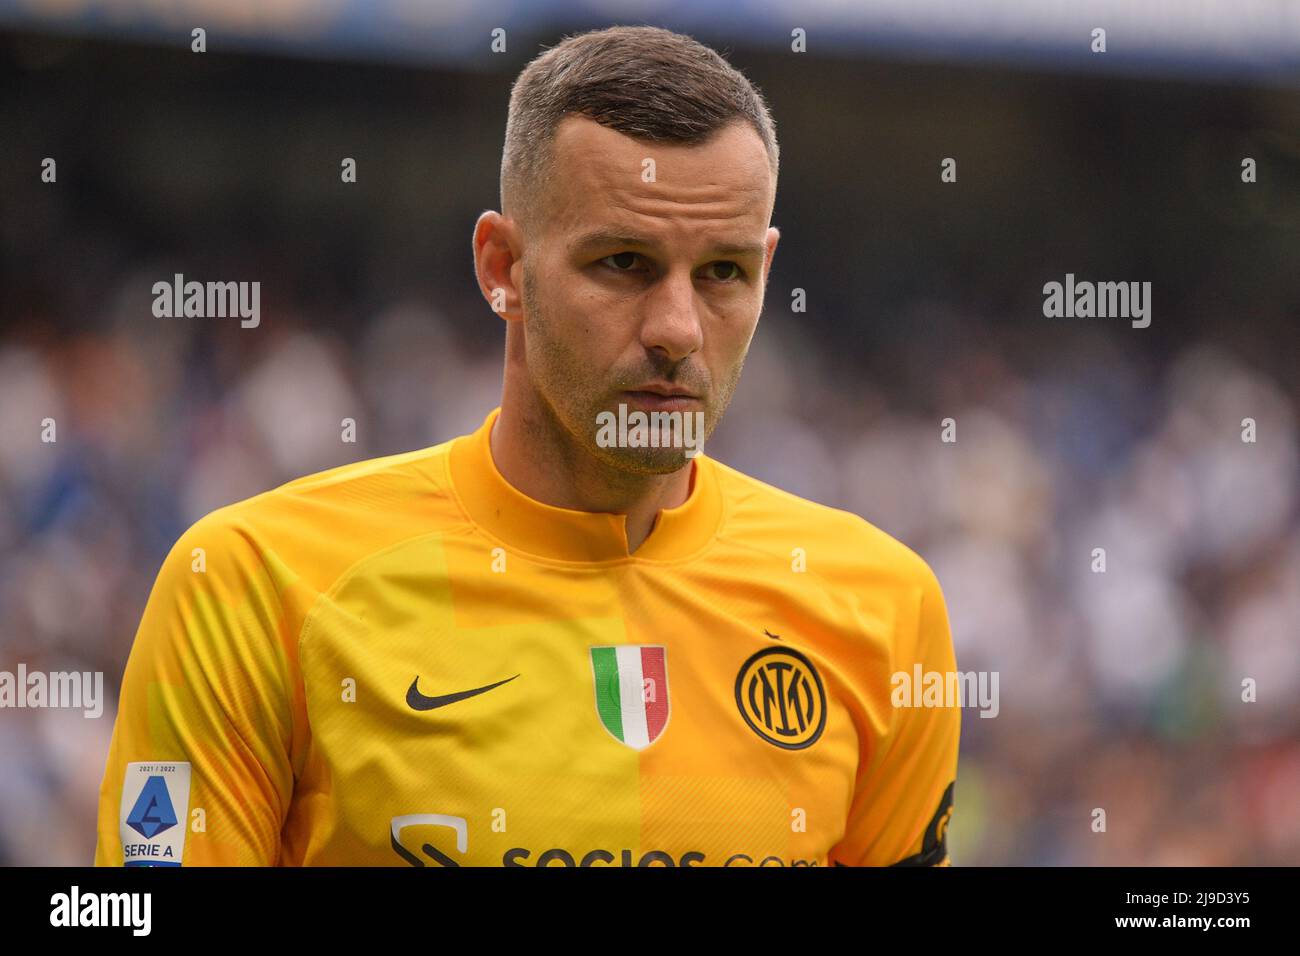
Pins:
<point x="662" y="398"/>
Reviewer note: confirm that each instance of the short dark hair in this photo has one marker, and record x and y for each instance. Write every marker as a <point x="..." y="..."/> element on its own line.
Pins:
<point x="642" y="81"/>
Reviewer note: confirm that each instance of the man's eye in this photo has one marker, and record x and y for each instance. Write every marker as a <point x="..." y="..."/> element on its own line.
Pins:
<point x="626" y="261"/>
<point x="623" y="261"/>
<point x="736" y="271"/>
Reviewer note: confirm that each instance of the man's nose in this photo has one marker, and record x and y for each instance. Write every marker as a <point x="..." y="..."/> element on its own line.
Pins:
<point x="672" y="319"/>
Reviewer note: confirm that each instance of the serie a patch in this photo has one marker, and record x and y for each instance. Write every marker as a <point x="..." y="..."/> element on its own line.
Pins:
<point x="154" y="810"/>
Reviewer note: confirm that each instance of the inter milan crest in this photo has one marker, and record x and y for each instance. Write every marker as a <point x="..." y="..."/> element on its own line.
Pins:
<point x="631" y="692"/>
<point x="781" y="697"/>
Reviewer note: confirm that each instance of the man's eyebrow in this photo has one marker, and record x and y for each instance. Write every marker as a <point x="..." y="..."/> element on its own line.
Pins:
<point x="601" y="238"/>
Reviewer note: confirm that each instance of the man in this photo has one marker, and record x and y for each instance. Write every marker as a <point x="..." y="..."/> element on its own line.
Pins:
<point x="567" y="638"/>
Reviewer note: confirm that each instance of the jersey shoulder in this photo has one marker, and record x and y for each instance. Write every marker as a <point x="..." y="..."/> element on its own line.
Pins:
<point x="837" y="544"/>
<point x="318" y="525"/>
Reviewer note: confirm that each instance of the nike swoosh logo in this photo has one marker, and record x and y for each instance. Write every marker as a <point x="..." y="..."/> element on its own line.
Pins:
<point x="417" y="701"/>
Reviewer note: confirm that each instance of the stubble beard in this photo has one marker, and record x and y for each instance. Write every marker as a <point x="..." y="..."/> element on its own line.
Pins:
<point x="570" y="401"/>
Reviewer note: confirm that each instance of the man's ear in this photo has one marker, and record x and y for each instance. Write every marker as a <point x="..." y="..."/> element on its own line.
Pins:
<point x="773" y="237"/>
<point x="498" y="259"/>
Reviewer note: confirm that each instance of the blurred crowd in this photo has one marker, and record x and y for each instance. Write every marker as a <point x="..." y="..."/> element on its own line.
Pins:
<point x="1120" y="689"/>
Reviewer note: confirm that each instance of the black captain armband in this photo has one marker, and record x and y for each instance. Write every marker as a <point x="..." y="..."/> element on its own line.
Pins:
<point x="934" y="845"/>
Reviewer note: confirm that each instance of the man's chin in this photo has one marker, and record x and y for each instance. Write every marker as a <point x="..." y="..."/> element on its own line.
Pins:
<point x="644" y="461"/>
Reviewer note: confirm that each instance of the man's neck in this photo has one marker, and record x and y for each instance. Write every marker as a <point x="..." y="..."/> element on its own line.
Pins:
<point x="549" y="468"/>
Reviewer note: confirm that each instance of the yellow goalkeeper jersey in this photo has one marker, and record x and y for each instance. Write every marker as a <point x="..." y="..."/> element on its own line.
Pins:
<point x="407" y="661"/>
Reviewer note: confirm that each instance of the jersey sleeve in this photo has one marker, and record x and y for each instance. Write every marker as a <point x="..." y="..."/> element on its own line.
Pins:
<point x="199" y="771"/>
<point x="903" y="797"/>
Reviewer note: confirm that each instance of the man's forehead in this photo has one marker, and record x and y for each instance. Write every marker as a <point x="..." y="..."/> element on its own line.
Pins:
<point x="732" y="163"/>
<point x="605" y="237"/>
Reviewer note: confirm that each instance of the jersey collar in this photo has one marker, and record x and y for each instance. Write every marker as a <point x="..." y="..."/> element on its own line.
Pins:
<point x="560" y="533"/>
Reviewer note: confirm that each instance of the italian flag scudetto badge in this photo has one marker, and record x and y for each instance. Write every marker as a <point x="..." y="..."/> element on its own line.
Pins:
<point x="631" y="692"/>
